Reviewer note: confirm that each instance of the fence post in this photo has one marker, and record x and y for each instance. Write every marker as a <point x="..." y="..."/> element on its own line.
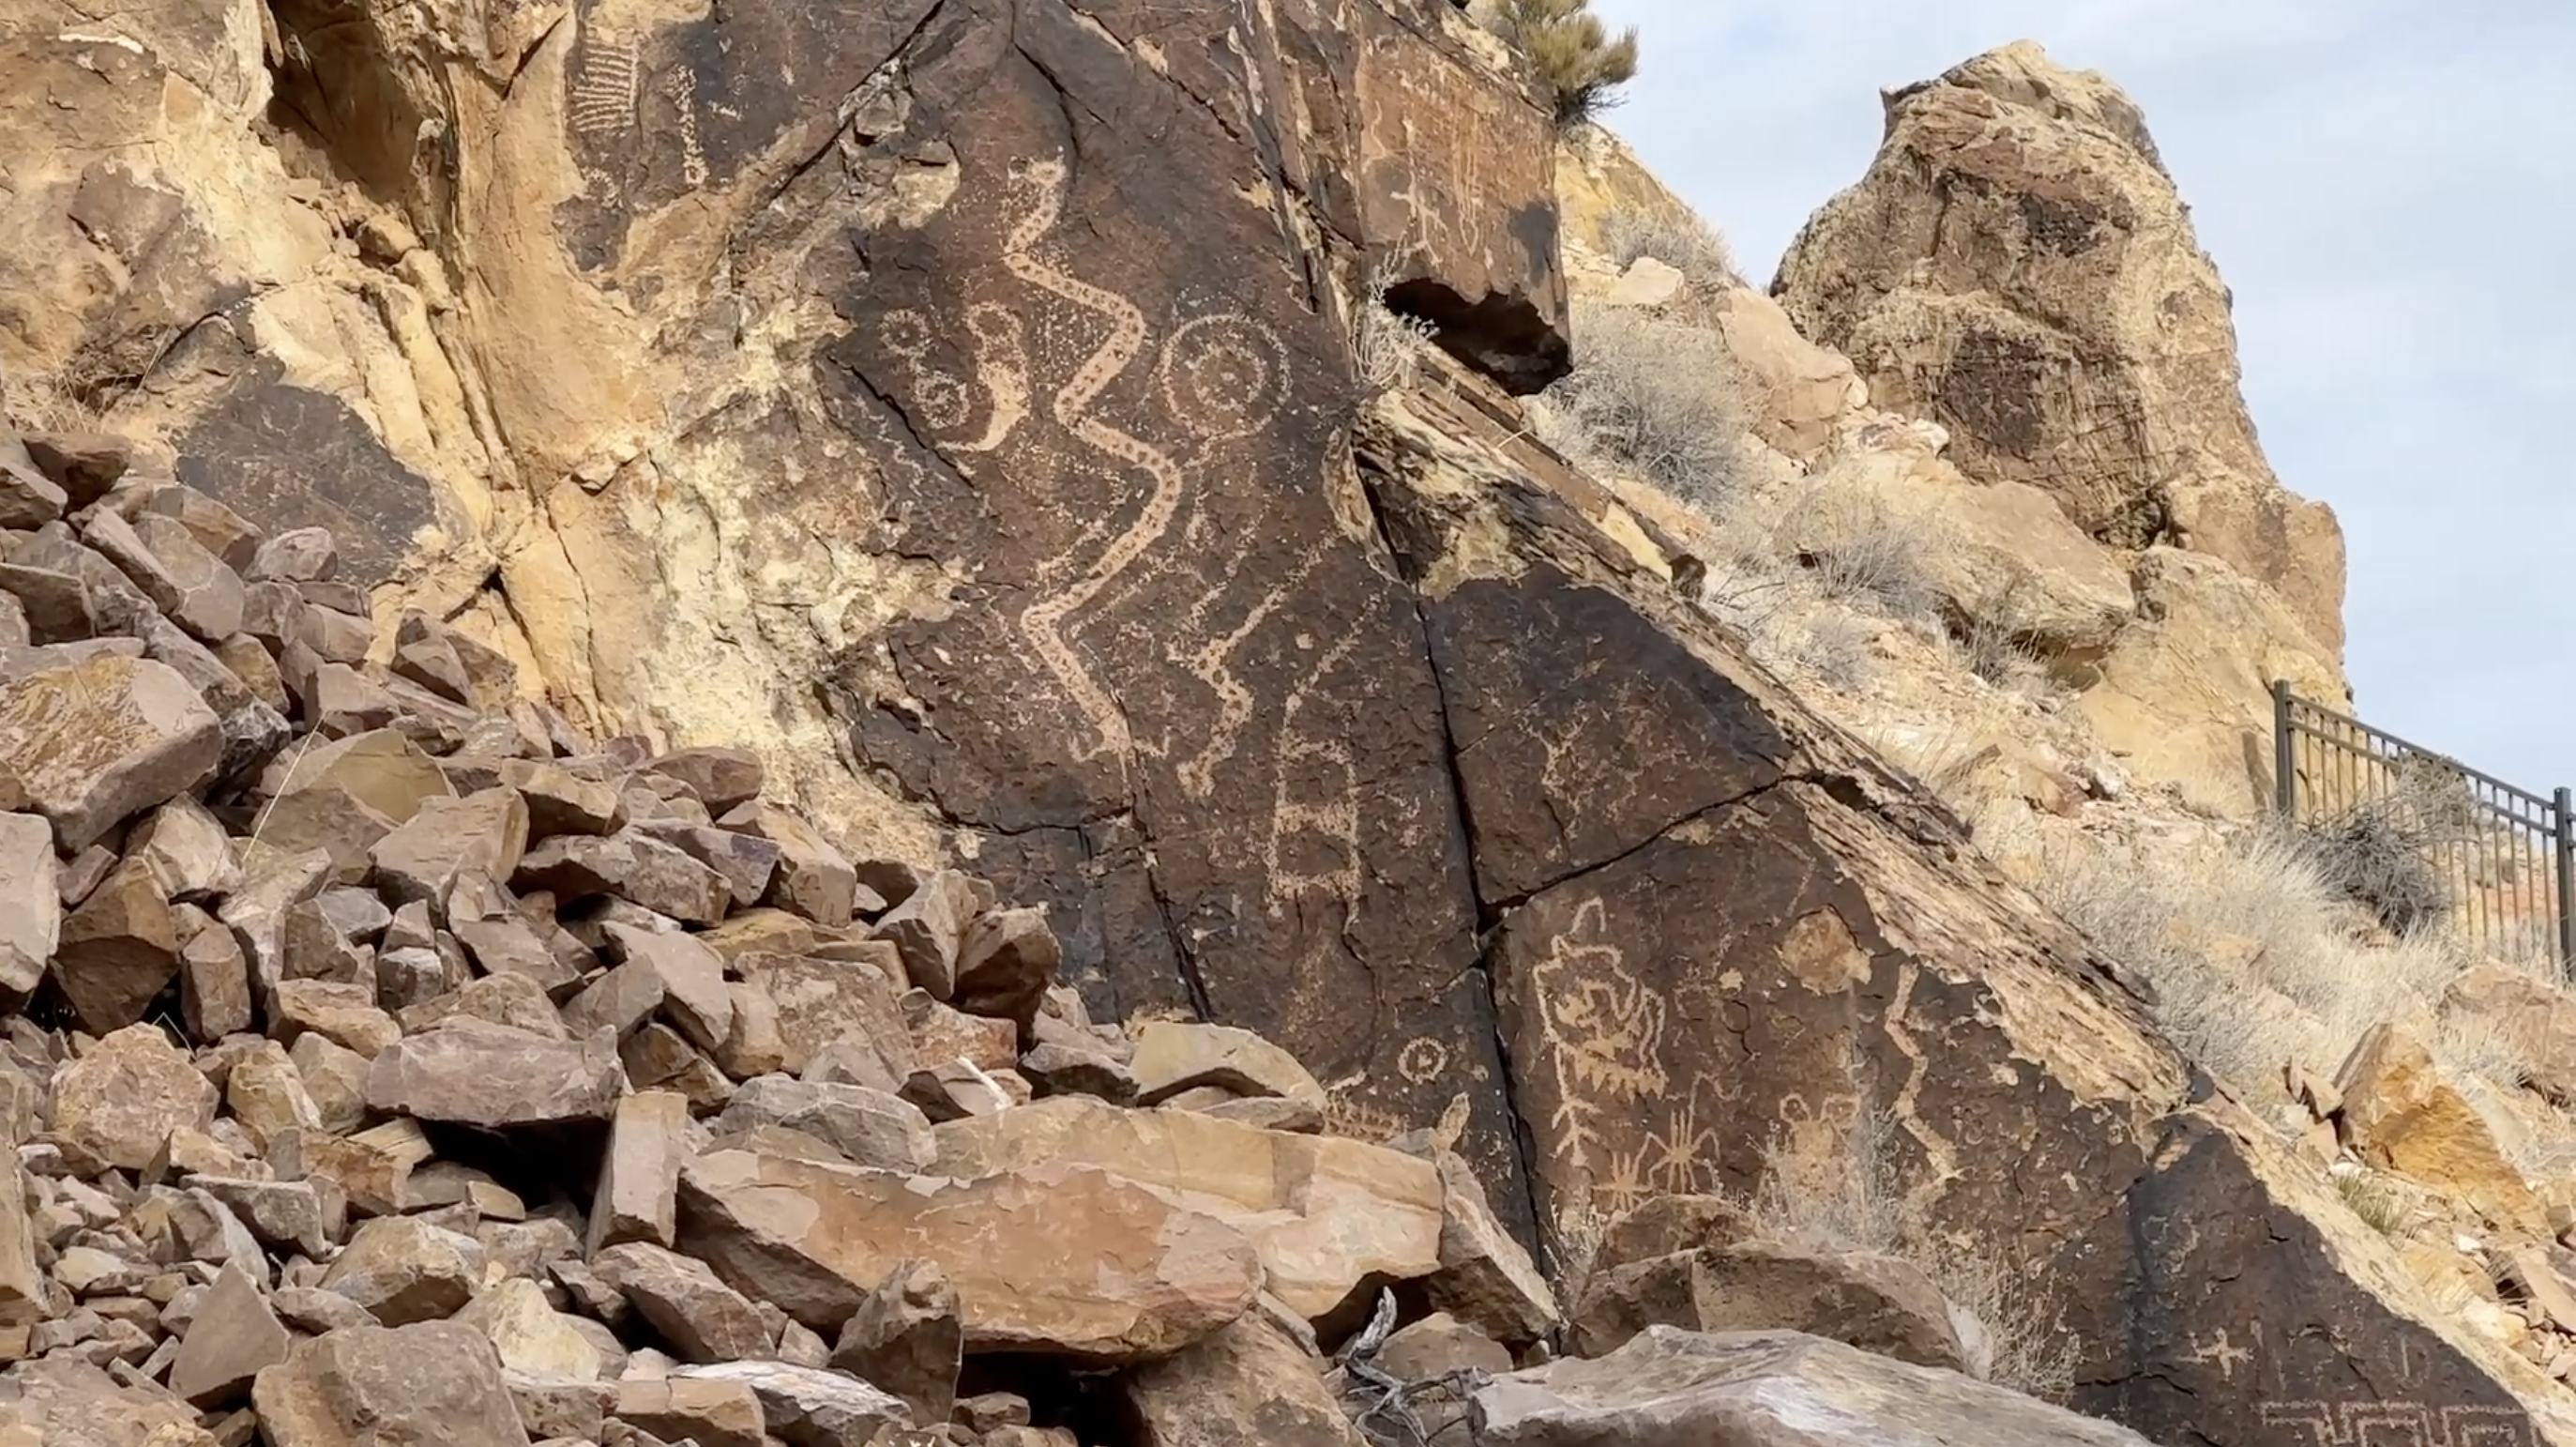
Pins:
<point x="2563" y="837"/>
<point x="2285" y="784"/>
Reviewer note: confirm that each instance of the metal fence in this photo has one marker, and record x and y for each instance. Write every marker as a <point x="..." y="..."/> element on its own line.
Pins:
<point x="2505" y="857"/>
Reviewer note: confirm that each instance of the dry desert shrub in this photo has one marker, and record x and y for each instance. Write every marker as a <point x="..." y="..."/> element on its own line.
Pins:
<point x="1655" y="395"/>
<point x="2250" y="948"/>
<point x="1578" y="59"/>
<point x="1675" y="237"/>
<point x="1832" y="1184"/>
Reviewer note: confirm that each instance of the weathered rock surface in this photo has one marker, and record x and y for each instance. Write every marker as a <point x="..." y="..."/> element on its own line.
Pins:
<point x="1671" y="1388"/>
<point x="1875" y="1303"/>
<point x="2018" y="267"/>
<point x="1062" y="1258"/>
<point x="437" y="1382"/>
<point x="1328" y="1214"/>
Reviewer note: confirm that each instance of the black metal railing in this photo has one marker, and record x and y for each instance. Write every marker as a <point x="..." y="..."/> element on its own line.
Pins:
<point x="2506" y="857"/>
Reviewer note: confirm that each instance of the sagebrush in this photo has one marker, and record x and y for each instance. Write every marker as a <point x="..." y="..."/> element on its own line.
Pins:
<point x="1832" y="1185"/>
<point x="1580" y="61"/>
<point x="1675" y="237"/>
<point x="1658" y="396"/>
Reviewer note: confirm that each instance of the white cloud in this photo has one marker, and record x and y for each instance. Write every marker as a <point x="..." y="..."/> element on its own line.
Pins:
<point x="2390" y="190"/>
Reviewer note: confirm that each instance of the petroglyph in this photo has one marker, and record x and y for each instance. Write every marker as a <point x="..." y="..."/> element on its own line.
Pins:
<point x="1223" y="377"/>
<point x="1422" y="1060"/>
<point x="1678" y="1155"/>
<point x="600" y="94"/>
<point x="1002" y="362"/>
<point x="1315" y="803"/>
<point x="1211" y="664"/>
<point x="1045" y="623"/>
<point x="940" y="400"/>
<point x="681" y="85"/>
<point x="2399" y="1424"/>
<point x="1937" y="1150"/>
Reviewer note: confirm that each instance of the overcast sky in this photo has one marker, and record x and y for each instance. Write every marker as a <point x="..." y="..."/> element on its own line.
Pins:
<point x="2390" y="190"/>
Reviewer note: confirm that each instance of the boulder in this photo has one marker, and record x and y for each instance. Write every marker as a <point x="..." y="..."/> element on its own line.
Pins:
<point x="1005" y="963"/>
<point x="435" y="1382"/>
<point x="2533" y="1019"/>
<point x="694" y="997"/>
<point x="870" y="1127"/>
<point x="67" y="1402"/>
<point x="1674" y="1388"/>
<point x="2399" y="1114"/>
<point x="687" y="1409"/>
<point x="119" y="1102"/>
<point x="446" y="839"/>
<point x="2018" y="267"/>
<point x="927" y="929"/>
<point x="631" y="865"/>
<point x="404" y="1270"/>
<point x="807" y="1407"/>
<point x="822" y="1001"/>
<point x="234" y="1336"/>
<point x="1060" y="1259"/>
<point x="702" y="1318"/>
<point x="1874" y="1302"/>
<point x="1173" y="1056"/>
<point x="96" y="740"/>
<point x="1486" y="1278"/>
<point x="119" y="950"/>
<point x="909" y="1337"/>
<point x="31" y="907"/>
<point x="639" y="1180"/>
<point x="1254" y="1384"/>
<point x="1329" y="1215"/>
<point x="494" y="1078"/>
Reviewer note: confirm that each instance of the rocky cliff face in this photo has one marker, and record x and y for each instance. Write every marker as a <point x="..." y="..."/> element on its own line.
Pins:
<point x="2018" y="267"/>
<point x="956" y="402"/>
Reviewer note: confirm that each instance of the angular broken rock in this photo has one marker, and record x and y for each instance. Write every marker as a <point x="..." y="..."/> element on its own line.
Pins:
<point x="2400" y="1115"/>
<point x="404" y="1270"/>
<point x="234" y="1335"/>
<point x="639" y="1179"/>
<point x="1673" y="1388"/>
<point x="1254" y="1384"/>
<point x="422" y="859"/>
<point x="1173" y="1056"/>
<point x="119" y="950"/>
<point x="694" y="997"/>
<point x="345" y="1014"/>
<point x="559" y="800"/>
<point x="214" y="984"/>
<point x="870" y="1127"/>
<point x="507" y="999"/>
<point x="479" y="1075"/>
<point x="98" y="739"/>
<point x="700" y="1316"/>
<point x="909" y="1338"/>
<point x="809" y="1407"/>
<point x="1486" y="1278"/>
<point x="68" y="1402"/>
<point x="1008" y="959"/>
<point x="1061" y="1259"/>
<point x="928" y="928"/>
<point x="813" y="878"/>
<point x="823" y="1001"/>
<point x="119" y="1102"/>
<point x="1873" y="1302"/>
<point x="722" y="778"/>
<point x="533" y="1339"/>
<point x="185" y="848"/>
<point x="632" y="866"/>
<point x="1328" y="1213"/>
<point x="31" y="906"/>
<point x="436" y="1382"/>
<point x="681" y="1409"/>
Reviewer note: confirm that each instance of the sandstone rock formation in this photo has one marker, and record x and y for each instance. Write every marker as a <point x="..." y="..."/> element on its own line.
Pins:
<point x="2018" y="267"/>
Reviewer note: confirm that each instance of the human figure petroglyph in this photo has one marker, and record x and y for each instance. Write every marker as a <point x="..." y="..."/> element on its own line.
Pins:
<point x="1315" y="799"/>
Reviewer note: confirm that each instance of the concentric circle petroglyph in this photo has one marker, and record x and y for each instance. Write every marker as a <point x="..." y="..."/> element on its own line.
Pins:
<point x="1223" y="376"/>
